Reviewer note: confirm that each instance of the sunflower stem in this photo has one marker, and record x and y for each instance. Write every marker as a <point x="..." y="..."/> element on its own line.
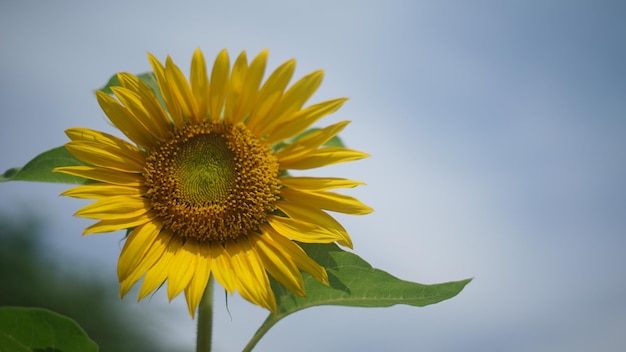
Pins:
<point x="205" y="319"/>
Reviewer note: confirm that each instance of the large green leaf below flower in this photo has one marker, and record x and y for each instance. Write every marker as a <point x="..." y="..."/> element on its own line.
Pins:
<point x="37" y="329"/>
<point x="355" y="283"/>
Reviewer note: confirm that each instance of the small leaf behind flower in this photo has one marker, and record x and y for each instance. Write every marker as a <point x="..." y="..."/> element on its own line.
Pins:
<point x="354" y="283"/>
<point x="36" y="329"/>
<point x="40" y="168"/>
<point x="333" y="142"/>
<point x="147" y="77"/>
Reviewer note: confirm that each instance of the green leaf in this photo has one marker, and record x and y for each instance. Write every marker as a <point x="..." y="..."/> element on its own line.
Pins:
<point x="147" y="77"/>
<point x="113" y="82"/>
<point x="40" y="168"/>
<point x="41" y="330"/>
<point x="353" y="282"/>
<point x="333" y="142"/>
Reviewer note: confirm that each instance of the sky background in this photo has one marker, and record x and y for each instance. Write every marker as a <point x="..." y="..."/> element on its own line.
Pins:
<point x="497" y="131"/>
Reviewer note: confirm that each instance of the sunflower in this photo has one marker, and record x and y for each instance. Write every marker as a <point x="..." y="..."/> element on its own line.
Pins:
<point x="204" y="187"/>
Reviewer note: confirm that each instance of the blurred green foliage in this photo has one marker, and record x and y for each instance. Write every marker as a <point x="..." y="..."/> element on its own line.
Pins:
<point x="30" y="277"/>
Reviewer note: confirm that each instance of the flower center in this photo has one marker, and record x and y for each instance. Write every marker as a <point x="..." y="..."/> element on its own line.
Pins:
<point x="212" y="182"/>
<point x="206" y="169"/>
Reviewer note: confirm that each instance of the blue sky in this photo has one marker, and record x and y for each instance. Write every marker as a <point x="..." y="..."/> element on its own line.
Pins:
<point x="496" y="130"/>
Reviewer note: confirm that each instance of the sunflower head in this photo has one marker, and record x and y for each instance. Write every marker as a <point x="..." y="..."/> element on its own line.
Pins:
<point x="204" y="184"/>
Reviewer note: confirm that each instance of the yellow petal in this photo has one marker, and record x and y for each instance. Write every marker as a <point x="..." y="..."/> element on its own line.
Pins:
<point x="157" y="274"/>
<point x="219" y="85"/>
<point x="195" y="290"/>
<point x="239" y="268"/>
<point x="124" y="120"/>
<point x="173" y="107"/>
<point x="327" y="200"/>
<point x="318" y="217"/>
<point x="252" y="278"/>
<point x="278" y="264"/>
<point x="143" y="113"/>
<point x="182" y="268"/>
<point x="103" y="175"/>
<point x="302" y="231"/>
<point x="89" y="135"/>
<point x="302" y="260"/>
<point x="270" y="95"/>
<point x="318" y="183"/>
<point x="159" y="124"/>
<point x="97" y="154"/>
<point x="250" y="91"/>
<point x="292" y="101"/>
<point x="152" y="255"/>
<point x="221" y="267"/>
<point x="299" y="121"/>
<point x="103" y="190"/>
<point x="135" y="248"/>
<point x="236" y="88"/>
<point x="117" y="207"/>
<point x="311" y="142"/>
<point x="200" y="84"/>
<point x="181" y="91"/>
<point x="118" y="224"/>
<point x="321" y="157"/>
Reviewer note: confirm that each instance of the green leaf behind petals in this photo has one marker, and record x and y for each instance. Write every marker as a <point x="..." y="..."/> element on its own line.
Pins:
<point x="113" y="82"/>
<point x="333" y="142"/>
<point x="36" y="329"/>
<point x="147" y="77"/>
<point x="353" y="282"/>
<point x="40" y="168"/>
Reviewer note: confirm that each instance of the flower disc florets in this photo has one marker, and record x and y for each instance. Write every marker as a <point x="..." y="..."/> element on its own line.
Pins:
<point x="212" y="182"/>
